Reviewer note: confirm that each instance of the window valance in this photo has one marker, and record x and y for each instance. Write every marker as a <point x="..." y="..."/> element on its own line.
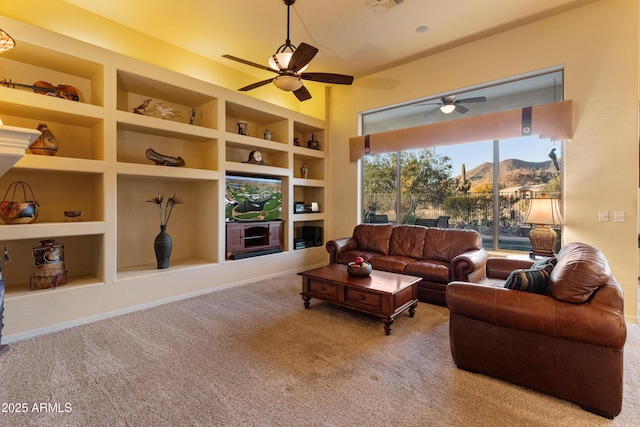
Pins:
<point x="555" y="121"/>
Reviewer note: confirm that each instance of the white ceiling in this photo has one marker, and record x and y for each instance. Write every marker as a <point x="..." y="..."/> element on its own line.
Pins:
<point x="352" y="37"/>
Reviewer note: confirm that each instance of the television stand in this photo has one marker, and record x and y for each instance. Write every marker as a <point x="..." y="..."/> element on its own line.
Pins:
<point x="245" y="239"/>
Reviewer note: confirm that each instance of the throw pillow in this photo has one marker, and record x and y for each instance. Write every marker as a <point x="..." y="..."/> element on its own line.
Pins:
<point x="532" y="280"/>
<point x="542" y="262"/>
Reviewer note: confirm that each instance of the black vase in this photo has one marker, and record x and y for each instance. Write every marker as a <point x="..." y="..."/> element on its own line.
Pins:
<point x="163" y="246"/>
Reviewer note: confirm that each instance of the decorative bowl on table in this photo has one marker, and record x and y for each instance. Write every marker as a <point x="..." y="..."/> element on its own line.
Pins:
<point x="359" y="270"/>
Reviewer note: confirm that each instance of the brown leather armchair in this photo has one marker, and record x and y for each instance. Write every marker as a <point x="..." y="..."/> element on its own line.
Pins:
<point x="568" y="344"/>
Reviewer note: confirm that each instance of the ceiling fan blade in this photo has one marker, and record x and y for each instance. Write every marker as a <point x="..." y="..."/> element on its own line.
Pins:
<point x="255" y="85"/>
<point x="338" y="79"/>
<point x="468" y="100"/>
<point x="427" y="103"/>
<point x="461" y="108"/>
<point x="301" y="57"/>
<point x="252" y="64"/>
<point x="302" y="94"/>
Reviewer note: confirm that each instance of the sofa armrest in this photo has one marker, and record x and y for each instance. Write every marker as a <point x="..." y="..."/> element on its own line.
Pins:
<point x="469" y="266"/>
<point x="336" y="246"/>
<point x="500" y="268"/>
<point x="595" y="322"/>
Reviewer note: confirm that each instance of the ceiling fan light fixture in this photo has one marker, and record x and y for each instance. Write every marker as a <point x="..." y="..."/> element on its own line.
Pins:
<point x="281" y="61"/>
<point x="447" y="108"/>
<point x="288" y="83"/>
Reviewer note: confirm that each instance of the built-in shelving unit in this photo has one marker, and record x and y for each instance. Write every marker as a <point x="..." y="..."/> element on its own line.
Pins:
<point x="126" y="107"/>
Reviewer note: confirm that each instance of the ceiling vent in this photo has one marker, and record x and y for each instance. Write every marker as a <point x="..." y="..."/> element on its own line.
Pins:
<point x="381" y="6"/>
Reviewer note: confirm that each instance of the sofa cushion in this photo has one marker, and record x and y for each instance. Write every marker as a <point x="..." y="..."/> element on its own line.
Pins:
<point x="444" y="244"/>
<point x="392" y="263"/>
<point x="373" y="237"/>
<point x="348" y="256"/>
<point x="433" y="271"/>
<point x="408" y="241"/>
<point x="534" y="280"/>
<point x="580" y="270"/>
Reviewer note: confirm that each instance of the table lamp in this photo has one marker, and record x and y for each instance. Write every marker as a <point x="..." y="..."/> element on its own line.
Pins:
<point x="543" y="212"/>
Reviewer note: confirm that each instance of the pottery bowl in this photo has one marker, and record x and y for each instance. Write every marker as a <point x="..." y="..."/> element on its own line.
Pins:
<point x="362" y="270"/>
<point x="18" y="212"/>
<point x="72" y="214"/>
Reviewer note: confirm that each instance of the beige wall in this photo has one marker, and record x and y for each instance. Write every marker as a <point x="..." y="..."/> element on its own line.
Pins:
<point x="598" y="46"/>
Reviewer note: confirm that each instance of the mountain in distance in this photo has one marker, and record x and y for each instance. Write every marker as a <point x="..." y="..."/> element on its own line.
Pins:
<point x="513" y="172"/>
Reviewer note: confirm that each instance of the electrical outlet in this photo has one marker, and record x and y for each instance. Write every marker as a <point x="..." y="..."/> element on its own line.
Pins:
<point x="603" y="216"/>
<point x="619" y="216"/>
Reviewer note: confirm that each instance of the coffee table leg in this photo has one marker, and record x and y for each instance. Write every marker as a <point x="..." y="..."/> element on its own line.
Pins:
<point x="306" y="301"/>
<point x="387" y="325"/>
<point x="412" y="309"/>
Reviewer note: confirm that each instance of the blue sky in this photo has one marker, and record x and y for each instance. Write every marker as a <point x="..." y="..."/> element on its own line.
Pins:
<point x="531" y="149"/>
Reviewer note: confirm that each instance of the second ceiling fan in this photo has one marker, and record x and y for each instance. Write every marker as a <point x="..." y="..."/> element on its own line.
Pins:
<point x="289" y="63"/>
<point x="449" y="104"/>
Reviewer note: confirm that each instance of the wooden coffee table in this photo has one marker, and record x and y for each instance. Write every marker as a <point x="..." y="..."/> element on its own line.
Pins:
<point x="382" y="294"/>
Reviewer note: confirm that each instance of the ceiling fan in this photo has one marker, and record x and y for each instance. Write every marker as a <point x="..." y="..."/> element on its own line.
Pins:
<point x="289" y="64"/>
<point x="449" y="104"/>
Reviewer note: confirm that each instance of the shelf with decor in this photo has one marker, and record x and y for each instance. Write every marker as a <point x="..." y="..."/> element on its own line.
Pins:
<point x="83" y="261"/>
<point x="57" y="191"/>
<point x="256" y="123"/>
<point x="52" y="73"/>
<point x="192" y="225"/>
<point x="273" y="154"/>
<point x="142" y="144"/>
<point x="162" y="100"/>
<point x="310" y="138"/>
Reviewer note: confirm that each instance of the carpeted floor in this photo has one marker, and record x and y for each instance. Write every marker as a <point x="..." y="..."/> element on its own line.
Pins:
<point x="253" y="356"/>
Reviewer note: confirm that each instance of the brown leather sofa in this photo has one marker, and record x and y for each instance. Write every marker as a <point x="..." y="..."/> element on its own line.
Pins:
<point x="437" y="255"/>
<point x="568" y="343"/>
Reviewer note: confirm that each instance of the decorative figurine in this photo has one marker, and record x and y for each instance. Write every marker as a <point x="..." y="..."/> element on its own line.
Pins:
<point x="243" y="128"/>
<point x="142" y="108"/>
<point x="304" y="170"/>
<point x="296" y="141"/>
<point x="163" y="160"/>
<point x="165" y="111"/>
<point x="192" y="116"/>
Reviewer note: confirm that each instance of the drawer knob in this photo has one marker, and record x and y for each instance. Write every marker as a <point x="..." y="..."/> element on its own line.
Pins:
<point x="362" y="297"/>
<point x="322" y="288"/>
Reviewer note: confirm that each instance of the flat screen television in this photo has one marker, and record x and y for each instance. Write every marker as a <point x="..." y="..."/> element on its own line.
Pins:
<point x="253" y="198"/>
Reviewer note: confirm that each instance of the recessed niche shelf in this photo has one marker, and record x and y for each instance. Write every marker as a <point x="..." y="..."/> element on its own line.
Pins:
<point x="59" y="191"/>
<point x="83" y="258"/>
<point x="139" y="220"/>
<point x="258" y="122"/>
<point x="149" y="97"/>
<point x="196" y="150"/>
<point x="31" y="63"/>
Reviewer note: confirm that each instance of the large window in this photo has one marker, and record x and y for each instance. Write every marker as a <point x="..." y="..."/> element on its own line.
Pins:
<point x="485" y="186"/>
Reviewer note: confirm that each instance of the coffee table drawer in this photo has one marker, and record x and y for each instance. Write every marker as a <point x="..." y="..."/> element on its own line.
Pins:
<point x="323" y="289"/>
<point x="364" y="299"/>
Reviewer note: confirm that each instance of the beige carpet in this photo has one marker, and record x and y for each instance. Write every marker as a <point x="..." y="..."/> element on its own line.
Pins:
<point x="253" y="356"/>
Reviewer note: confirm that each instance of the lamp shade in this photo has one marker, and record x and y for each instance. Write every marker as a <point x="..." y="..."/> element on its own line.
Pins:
<point x="6" y="42"/>
<point x="288" y="83"/>
<point x="447" y="108"/>
<point x="544" y="211"/>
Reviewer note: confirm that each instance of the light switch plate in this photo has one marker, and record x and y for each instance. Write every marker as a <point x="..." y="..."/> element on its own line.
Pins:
<point x="603" y="216"/>
<point x="619" y="216"/>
